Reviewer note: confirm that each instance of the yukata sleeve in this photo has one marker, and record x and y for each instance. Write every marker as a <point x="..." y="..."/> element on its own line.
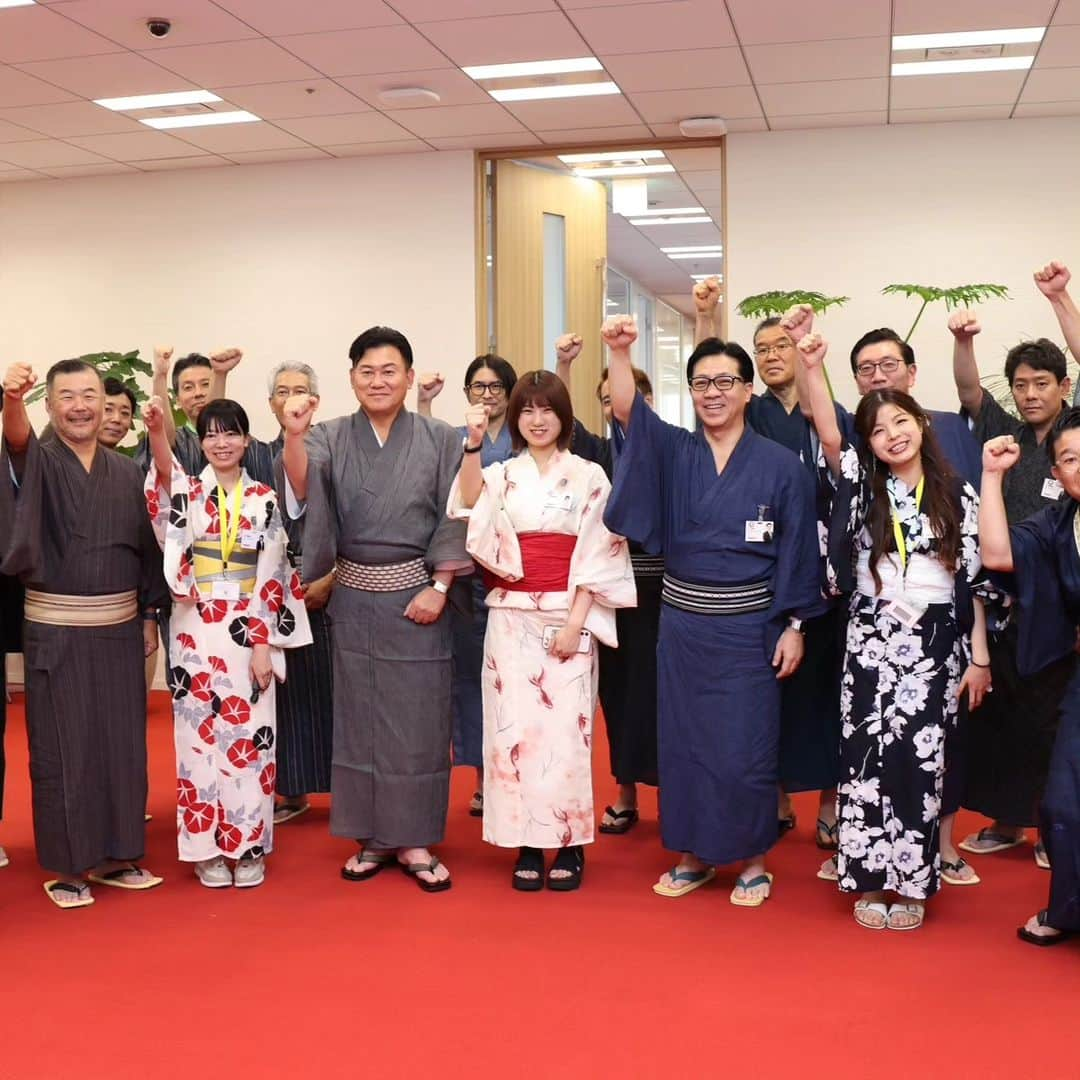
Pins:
<point x="170" y="519"/>
<point x="446" y="548"/>
<point x="850" y="497"/>
<point x="797" y="580"/>
<point x="23" y="484"/>
<point x="277" y="615"/>
<point x="490" y="539"/>
<point x="992" y="420"/>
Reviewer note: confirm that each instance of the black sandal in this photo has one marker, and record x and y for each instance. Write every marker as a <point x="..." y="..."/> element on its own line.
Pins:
<point x="621" y="820"/>
<point x="785" y="825"/>
<point x="571" y="859"/>
<point x="529" y="859"/>
<point x="1024" y="934"/>
<point x="476" y="804"/>
<point x="831" y="834"/>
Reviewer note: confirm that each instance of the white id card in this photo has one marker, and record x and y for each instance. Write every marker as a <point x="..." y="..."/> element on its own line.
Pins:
<point x="584" y="642"/>
<point x="759" y="532"/>
<point x="555" y="501"/>
<point x="1051" y="489"/>
<point x="251" y="539"/>
<point x="906" y="612"/>
<point x="226" y="590"/>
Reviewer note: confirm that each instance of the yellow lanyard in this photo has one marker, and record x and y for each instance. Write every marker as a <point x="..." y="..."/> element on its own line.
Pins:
<point x="898" y="532"/>
<point x="230" y="522"/>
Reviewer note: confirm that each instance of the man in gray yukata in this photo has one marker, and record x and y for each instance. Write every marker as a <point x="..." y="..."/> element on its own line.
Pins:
<point x="374" y="487"/>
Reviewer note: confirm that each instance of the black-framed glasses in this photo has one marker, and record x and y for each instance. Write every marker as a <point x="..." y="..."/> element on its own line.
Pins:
<point x="479" y="389"/>
<point x="781" y="347"/>
<point x="888" y="366"/>
<point x="700" y="383"/>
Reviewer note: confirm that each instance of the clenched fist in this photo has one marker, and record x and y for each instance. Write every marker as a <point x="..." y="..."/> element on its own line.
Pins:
<point x="19" y="380"/>
<point x="476" y="424"/>
<point x="1000" y="454"/>
<point x="707" y="295"/>
<point x="298" y="413"/>
<point x="798" y="321"/>
<point x="153" y="414"/>
<point x="568" y="347"/>
<point x="964" y="325"/>
<point x="163" y="355"/>
<point x="812" y="349"/>
<point x="429" y="385"/>
<point x="1052" y="279"/>
<point x="223" y="360"/>
<point x="619" y="331"/>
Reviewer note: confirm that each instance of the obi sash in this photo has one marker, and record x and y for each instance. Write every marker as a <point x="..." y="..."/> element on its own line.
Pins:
<point x="716" y="599"/>
<point x="545" y="564"/>
<point x="209" y="568"/>
<point x="385" y="577"/>
<point x="56" y="609"/>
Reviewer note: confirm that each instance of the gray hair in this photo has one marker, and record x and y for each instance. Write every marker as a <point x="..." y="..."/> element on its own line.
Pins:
<point x="297" y="366"/>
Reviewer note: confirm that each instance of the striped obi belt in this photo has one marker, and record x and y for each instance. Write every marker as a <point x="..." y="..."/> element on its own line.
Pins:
<point x="382" y="577"/>
<point x="545" y="564"/>
<point x="209" y="567"/>
<point x="647" y="566"/>
<point x="716" y="599"/>
<point x="56" y="609"/>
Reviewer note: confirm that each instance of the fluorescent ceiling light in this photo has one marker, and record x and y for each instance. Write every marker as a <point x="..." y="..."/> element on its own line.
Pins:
<point x="163" y="123"/>
<point x="699" y="248"/>
<point x="705" y="277"/>
<point x="1021" y="36"/>
<point x="698" y="255"/>
<point x="963" y="67"/>
<point x="16" y="3"/>
<point x="672" y="211"/>
<point x="157" y="101"/>
<point x="625" y="170"/>
<point x="535" y="93"/>
<point x="671" y="221"/>
<point x="534" y="67"/>
<point x="613" y="155"/>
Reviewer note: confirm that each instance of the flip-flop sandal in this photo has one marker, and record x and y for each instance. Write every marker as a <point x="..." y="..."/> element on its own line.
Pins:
<point x="414" y="870"/>
<point x="828" y="871"/>
<point x="79" y="894"/>
<point x="996" y="842"/>
<point x="289" y="811"/>
<point x="950" y="873"/>
<point x="877" y="908"/>
<point x="116" y="878"/>
<point x="381" y="860"/>
<point x="1024" y="934"/>
<point x="753" y="883"/>
<point x="830" y="831"/>
<point x="621" y="820"/>
<point x="1042" y="860"/>
<point x="530" y="859"/>
<point x="785" y="824"/>
<point x="694" y="880"/>
<point x="476" y="804"/>
<point x="905" y="909"/>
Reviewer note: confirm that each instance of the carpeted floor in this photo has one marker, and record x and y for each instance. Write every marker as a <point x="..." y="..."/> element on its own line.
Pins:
<point x="310" y="976"/>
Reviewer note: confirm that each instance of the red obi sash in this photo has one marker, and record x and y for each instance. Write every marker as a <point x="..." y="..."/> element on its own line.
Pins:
<point x="545" y="560"/>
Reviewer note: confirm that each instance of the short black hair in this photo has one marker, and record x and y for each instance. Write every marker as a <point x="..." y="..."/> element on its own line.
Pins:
<point x="1041" y="354"/>
<point x="191" y="360"/>
<point x="374" y="337"/>
<point x="114" y="388"/>
<point x="223" y="414"/>
<point x="875" y="337"/>
<point x="715" y="347"/>
<point x="1068" y="420"/>
<point x="641" y="382"/>
<point x="503" y="368"/>
<point x="68" y="367"/>
<point x="766" y="324"/>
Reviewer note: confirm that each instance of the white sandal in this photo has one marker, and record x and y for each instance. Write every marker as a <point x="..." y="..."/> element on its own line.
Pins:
<point x="877" y="908"/>
<point x="906" y="909"/>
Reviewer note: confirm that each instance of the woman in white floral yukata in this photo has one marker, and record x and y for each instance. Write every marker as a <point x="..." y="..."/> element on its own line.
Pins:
<point x="555" y="576"/>
<point x="903" y="542"/>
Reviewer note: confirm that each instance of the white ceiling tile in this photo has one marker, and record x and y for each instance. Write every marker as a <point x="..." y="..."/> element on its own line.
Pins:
<point x="366" y="52"/>
<point x="671" y="106"/>
<point x="199" y="161"/>
<point x="62" y="171"/>
<point x="507" y="39"/>
<point x="687" y="69"/>
<point x="1067" y="13"/>
<point x="567" y="112"/>
<point x="934" y="91"/>
<point x="418" y="11"/>
<point x="144" y="145"/>
<point x="708" y="196"/>
<point x="1038" y="108"/>
<point x="294" y="153"/>
<point x="829" y="120"/>
<point x="36" y="33"/>
<point x="44" y="153"/>
<point x="597" y="135"/>
<point x="234" y="138"/>
<point x="453" y="87"/>
<point x="17" y="88"/>
<point x="8" y="176"/>
<point x="937" y="116"/>
<point x="847" y="58"/>
<point x="371" y="149"/>
<point x="759" y="23"/>
<point x="1060" y="48"/>
<point x="277" y="101"/>
<point x="484" y="142"/>
<point x="441" y="122"/>
<point x="1053" y="84"/>
<point x="360" y="127"/>
<point x="843" y="95"/>
<point x="116" y="75"/>
<point x="691" y="160"/>
<point x="277" y="17"/>
<point x="70" y="118"/>
<point x="124" y="21"/>
<point x="10" y="132"/>
<point x="740" y="124"/>
<point x="234" y="63"/>
<point x="935" y="17"/>
<point x="707" y="179"/>
<point x="637" y="28"/>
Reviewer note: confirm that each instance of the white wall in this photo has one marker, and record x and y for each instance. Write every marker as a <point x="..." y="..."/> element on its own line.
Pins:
<point x="289" y="261"/>
<point x="848" y="210"/>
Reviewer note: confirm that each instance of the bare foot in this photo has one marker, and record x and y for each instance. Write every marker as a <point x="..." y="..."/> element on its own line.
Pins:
<point x="413" y="855"/>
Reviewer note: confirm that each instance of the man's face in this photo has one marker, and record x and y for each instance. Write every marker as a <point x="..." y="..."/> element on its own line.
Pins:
<point x="1037" y="394"/>
<point x="288" y="384"/>
<point x="719" y="408"/>
<point x="193" y="391"/>
<point x="774" y="355"/>
<point x="119" y="420"/>
<point x="380" y="380"/>
<point x="75" y="405"/>
<point x="1066" y="468"/>
<point x="881" y="367"/>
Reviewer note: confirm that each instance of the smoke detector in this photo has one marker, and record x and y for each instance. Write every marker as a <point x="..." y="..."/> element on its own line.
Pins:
<point x="703" y="127"/>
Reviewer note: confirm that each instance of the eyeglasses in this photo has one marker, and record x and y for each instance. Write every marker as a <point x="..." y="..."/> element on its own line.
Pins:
<point x="479" y="389"/>
<point x="761" y="351"/>
<point x="888" y="366"/>
<point x="284" y="392"/>
<point x="700" y="383"/>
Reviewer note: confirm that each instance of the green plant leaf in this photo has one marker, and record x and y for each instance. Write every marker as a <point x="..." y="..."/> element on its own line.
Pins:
<point x="763" y="305"/>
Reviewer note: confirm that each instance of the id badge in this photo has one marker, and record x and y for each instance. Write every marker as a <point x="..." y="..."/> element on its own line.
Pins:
<point x="559" y="502"/>
<point x="906" y="612"/>
<point x="226" y="590"/>
<point x="251" y="539"/>
<point x="759" y="532"/>
<point x="1051" y="489"/>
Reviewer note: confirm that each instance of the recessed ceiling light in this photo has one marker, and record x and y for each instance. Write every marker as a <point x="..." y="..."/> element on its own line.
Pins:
<point x="157" y="101"/>
<point x="16" y="3"/>
<point x="535" y="67"/>
<point x="536" y="93"/>
<point x="963" y="67"/>
<point x="625" y="170"/>
<point x="415" y="94"/>
<point x="163" y="123"/>
<point x="613" y="155"/>
<point x="714" y="249"/>
<point x="670" y="211"/>
<point x="1020" y="36"/>
<point x="670" y="221"/>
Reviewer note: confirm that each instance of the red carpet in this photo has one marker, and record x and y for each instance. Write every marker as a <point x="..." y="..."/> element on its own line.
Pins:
<point x="310" y="976"/>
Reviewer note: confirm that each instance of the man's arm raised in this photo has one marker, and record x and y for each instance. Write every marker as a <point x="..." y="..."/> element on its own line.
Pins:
<point x="297" y="418"/>
<point x="567" y="349"/>
<point x="19" y="380"/>
<point x="995" y="547"/>
<point x="706" y="296"/>
<point x="1052" y="281"/>
<point x="964" y="326"/>
<point x="429" y="386"/>
<point x="619" y="332"/>
<point x="222" y="361"/>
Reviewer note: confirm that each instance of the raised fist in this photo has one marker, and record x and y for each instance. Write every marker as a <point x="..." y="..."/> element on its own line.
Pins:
<point x="476" y="424"/>
<point x="19" y="380"/>
<point x="1052" y="279"/>
<point x="163" y="355"/>
<point x="619" y="331"/>
<point x="223" y="360"/>
<point x="964" y="325"/>
<point x="707" y="295"/>
<point x="812" y="349"/>
<point x="568" y="347"/>
<point x="429" y="385"/>
<point x="298" y="413"/>
<point x="153" y="414"/>
<point x="1000" y="454"/>
<point x="798" y="321"/>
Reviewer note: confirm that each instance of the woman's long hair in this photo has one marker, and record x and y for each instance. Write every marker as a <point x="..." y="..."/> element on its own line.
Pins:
<point x="939" y="498"/>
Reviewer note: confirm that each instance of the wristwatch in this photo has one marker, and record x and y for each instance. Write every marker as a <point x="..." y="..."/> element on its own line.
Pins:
<point x="796" y="625"/>
<point x="440" y="587"/>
